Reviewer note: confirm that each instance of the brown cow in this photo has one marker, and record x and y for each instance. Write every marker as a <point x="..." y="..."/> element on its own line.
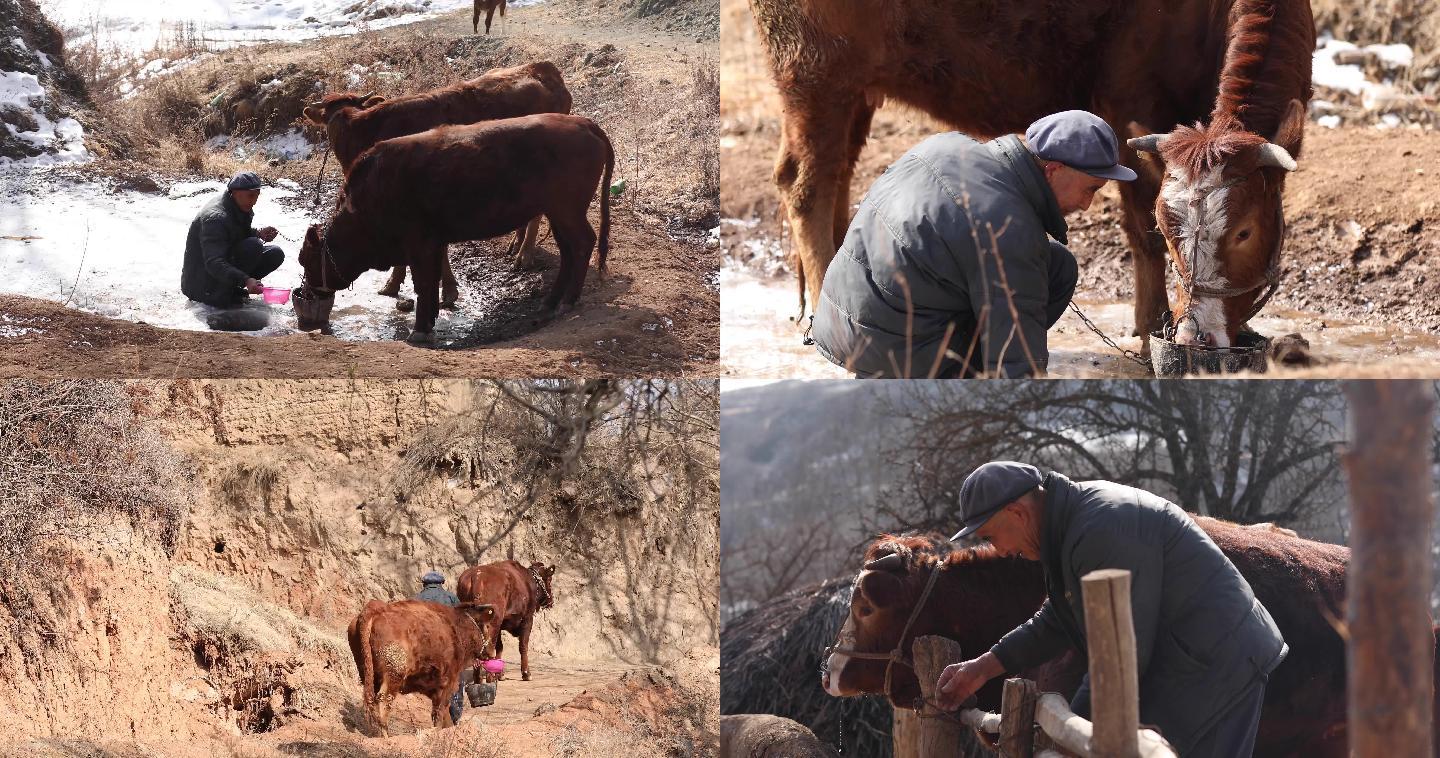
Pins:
<point x="416" y="646"/>
<point x="991" y="67"/>
<point x="517" y="591"/>
<point x="353" y="123"/>
<point x="981" y="596"/>
<point x="489" y="7"/>
<point x="407" y="198"/>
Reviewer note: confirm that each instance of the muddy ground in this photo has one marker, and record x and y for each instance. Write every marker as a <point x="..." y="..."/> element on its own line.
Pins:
<point x="1361" y="274"/>
<point x="656" y="313"/>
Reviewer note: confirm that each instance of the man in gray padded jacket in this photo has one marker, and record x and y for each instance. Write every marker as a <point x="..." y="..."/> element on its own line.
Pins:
<point x="955" y="265"/>
<point x="1204" y="645"/>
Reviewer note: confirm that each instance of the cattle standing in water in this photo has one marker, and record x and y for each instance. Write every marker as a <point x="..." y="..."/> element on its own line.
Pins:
<point x="489" y="7"/>
<point x="354" y="123"/>
<point x="517" y="591"/>
<point x="407" y="198"/>
<point x="1141" y="68"/>
<point x="980" y="596"/>
<point x="416" y="646"/>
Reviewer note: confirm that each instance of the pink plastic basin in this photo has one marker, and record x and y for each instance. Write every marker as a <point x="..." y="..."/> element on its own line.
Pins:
<point x="276" y="295"/>
<point x="494" y="665"/>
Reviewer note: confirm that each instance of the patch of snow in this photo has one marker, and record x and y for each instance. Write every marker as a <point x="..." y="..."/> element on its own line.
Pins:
<point x="1326" y="72"/>
<point x="140" y="25"/>
<point x="1394" y="56"/>
<point x="63" y="141"/>
<point x="291" y="145"/>
<point x="1329" y="122"/>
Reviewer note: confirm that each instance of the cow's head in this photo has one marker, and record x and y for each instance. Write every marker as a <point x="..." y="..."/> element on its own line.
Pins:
<point x="1219" y="210"/>
<point x="486" y="620"/>
<point x="321" y="111"/>
<point x="544" y="573"/>
<point x="330" y="262"/>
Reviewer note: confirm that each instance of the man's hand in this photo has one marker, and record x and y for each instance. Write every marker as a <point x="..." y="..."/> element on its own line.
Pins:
<point x="268" y="233"/>
<point x="253" y="286"/>
<point x="960" y="680"/>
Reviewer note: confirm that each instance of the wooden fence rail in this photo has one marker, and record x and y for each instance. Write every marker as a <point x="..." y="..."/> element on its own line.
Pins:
<point x="1114" y="688"/>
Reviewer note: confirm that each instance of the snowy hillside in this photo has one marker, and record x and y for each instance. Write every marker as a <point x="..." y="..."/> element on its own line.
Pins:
<point x="140" y="25"/>
<point x="38" y="95"/>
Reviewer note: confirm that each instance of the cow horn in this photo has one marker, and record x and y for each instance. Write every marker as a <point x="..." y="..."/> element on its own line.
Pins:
<point x="1272" y="154"/>
<point x="1150" y="143"/>
<point x="367" y="95"/>
<point x="891" y="562"/>
<point x="315" y="104"/>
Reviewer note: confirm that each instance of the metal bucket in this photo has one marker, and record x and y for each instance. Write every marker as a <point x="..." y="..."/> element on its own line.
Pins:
<point x="480" y="693"/>
<point x="1171" y="359"/>
<point x="312" y="312"/>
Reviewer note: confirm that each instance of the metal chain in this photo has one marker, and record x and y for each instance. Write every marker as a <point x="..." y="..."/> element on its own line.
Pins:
<point x="1131" y="354"/>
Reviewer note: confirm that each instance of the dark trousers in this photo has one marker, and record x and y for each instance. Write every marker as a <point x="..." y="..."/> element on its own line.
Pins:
<point x="256" y="259"/>
<point x="457" y="700"/>
<point x="1233" y="735"/>
<point x="1064" y="273"/>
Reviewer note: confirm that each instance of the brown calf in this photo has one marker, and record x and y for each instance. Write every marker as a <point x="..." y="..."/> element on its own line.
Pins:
<point x="354" y="123"/>
<point x="415" y="646"/>
<point x="517" y="592"/>
<point x="408" y="198"/>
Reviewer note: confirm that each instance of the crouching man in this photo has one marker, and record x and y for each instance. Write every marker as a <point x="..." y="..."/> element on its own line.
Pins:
<point x="225" y="257"/>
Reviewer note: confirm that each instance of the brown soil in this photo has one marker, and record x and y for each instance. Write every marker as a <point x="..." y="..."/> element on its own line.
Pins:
<point x="656" y="314"/>
<point x="310" y="498"/>
<point x="1364" y="220"/>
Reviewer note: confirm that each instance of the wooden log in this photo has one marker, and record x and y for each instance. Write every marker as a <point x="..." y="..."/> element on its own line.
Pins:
<point x="1064" y="730"/>
<point x="1114" y="685"/>
<point x="1391" y="650"/>
<point x="985" y="721"/>
<point x="767" y="736"/>
<point x="905" y="733"/>
<point x="1017" y="722"/>
<point x="940" y="734"/>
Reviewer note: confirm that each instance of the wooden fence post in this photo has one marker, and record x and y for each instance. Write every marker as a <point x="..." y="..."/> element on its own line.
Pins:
<point x="939" y="737"/>
<point x="1391" y="650"/>
<point x="1017" y="718"/>
<point x="1114" y="686"/>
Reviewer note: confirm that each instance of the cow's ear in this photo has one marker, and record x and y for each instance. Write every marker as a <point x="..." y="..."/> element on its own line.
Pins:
<point x="373" y="101"/>
<point x="314" y="114"/>
<point x="1291" y="131"/>
<point x="882" y="588"/>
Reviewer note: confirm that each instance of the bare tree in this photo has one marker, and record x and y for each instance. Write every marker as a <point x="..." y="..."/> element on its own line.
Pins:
<point x="1243" y="451"/>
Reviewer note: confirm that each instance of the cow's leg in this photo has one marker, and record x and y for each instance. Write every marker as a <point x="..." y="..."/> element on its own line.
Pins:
<point x="392" y="287"/>
<point x="526" y="240"/>
<point x="525" y="647"/>
<point x="425" y="275"/>
<point x="856" y="134"/>
<point x="808" y="171"/>
<point x="576" y="240"/>
<point x="1147" y="250"/>
<point x="475" y="22"/>
<point x="490" y="14"/>
<point x="449" y="290"/>
<point x="383" y="699"/>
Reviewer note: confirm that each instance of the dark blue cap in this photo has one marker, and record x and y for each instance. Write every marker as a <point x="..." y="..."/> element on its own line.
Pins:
<point x="992" y="487"/>
<point x="245" y="180"/>
<point x="1080" y="140"/>
<point x="434" y="577"/>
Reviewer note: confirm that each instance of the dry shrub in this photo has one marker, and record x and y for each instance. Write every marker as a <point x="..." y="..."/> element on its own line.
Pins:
<point x="73" y="449"/>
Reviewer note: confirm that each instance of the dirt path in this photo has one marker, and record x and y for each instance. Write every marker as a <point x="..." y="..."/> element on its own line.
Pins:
<point x="1361" y="269"/>
<point x="656" y="314"/>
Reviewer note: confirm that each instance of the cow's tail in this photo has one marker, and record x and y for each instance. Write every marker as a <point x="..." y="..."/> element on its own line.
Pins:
<point x="367" y="660"/>
<point x="604" y="251"/>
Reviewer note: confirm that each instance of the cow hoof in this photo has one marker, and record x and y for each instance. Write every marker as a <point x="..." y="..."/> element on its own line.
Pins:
<point x="389" y="291"/>
<point x="448" y="305"/>
<point x="524" y="676"/>
<point x="405" y="304"/>
<point x="421" y="338"/>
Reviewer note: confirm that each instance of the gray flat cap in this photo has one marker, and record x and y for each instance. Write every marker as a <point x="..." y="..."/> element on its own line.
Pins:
<point x="990" y="488"/>
<point x="433" y="577"/>
<point x="1080" y="140"/>
<point x="245" y="180"/>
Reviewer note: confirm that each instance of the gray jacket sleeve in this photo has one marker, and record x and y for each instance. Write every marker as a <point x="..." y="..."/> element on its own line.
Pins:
<point x="1011" y="344"/>
<point x="215" y="248"/>
<point x="1032" y="643"/>
<point x="1105" y="549"/>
